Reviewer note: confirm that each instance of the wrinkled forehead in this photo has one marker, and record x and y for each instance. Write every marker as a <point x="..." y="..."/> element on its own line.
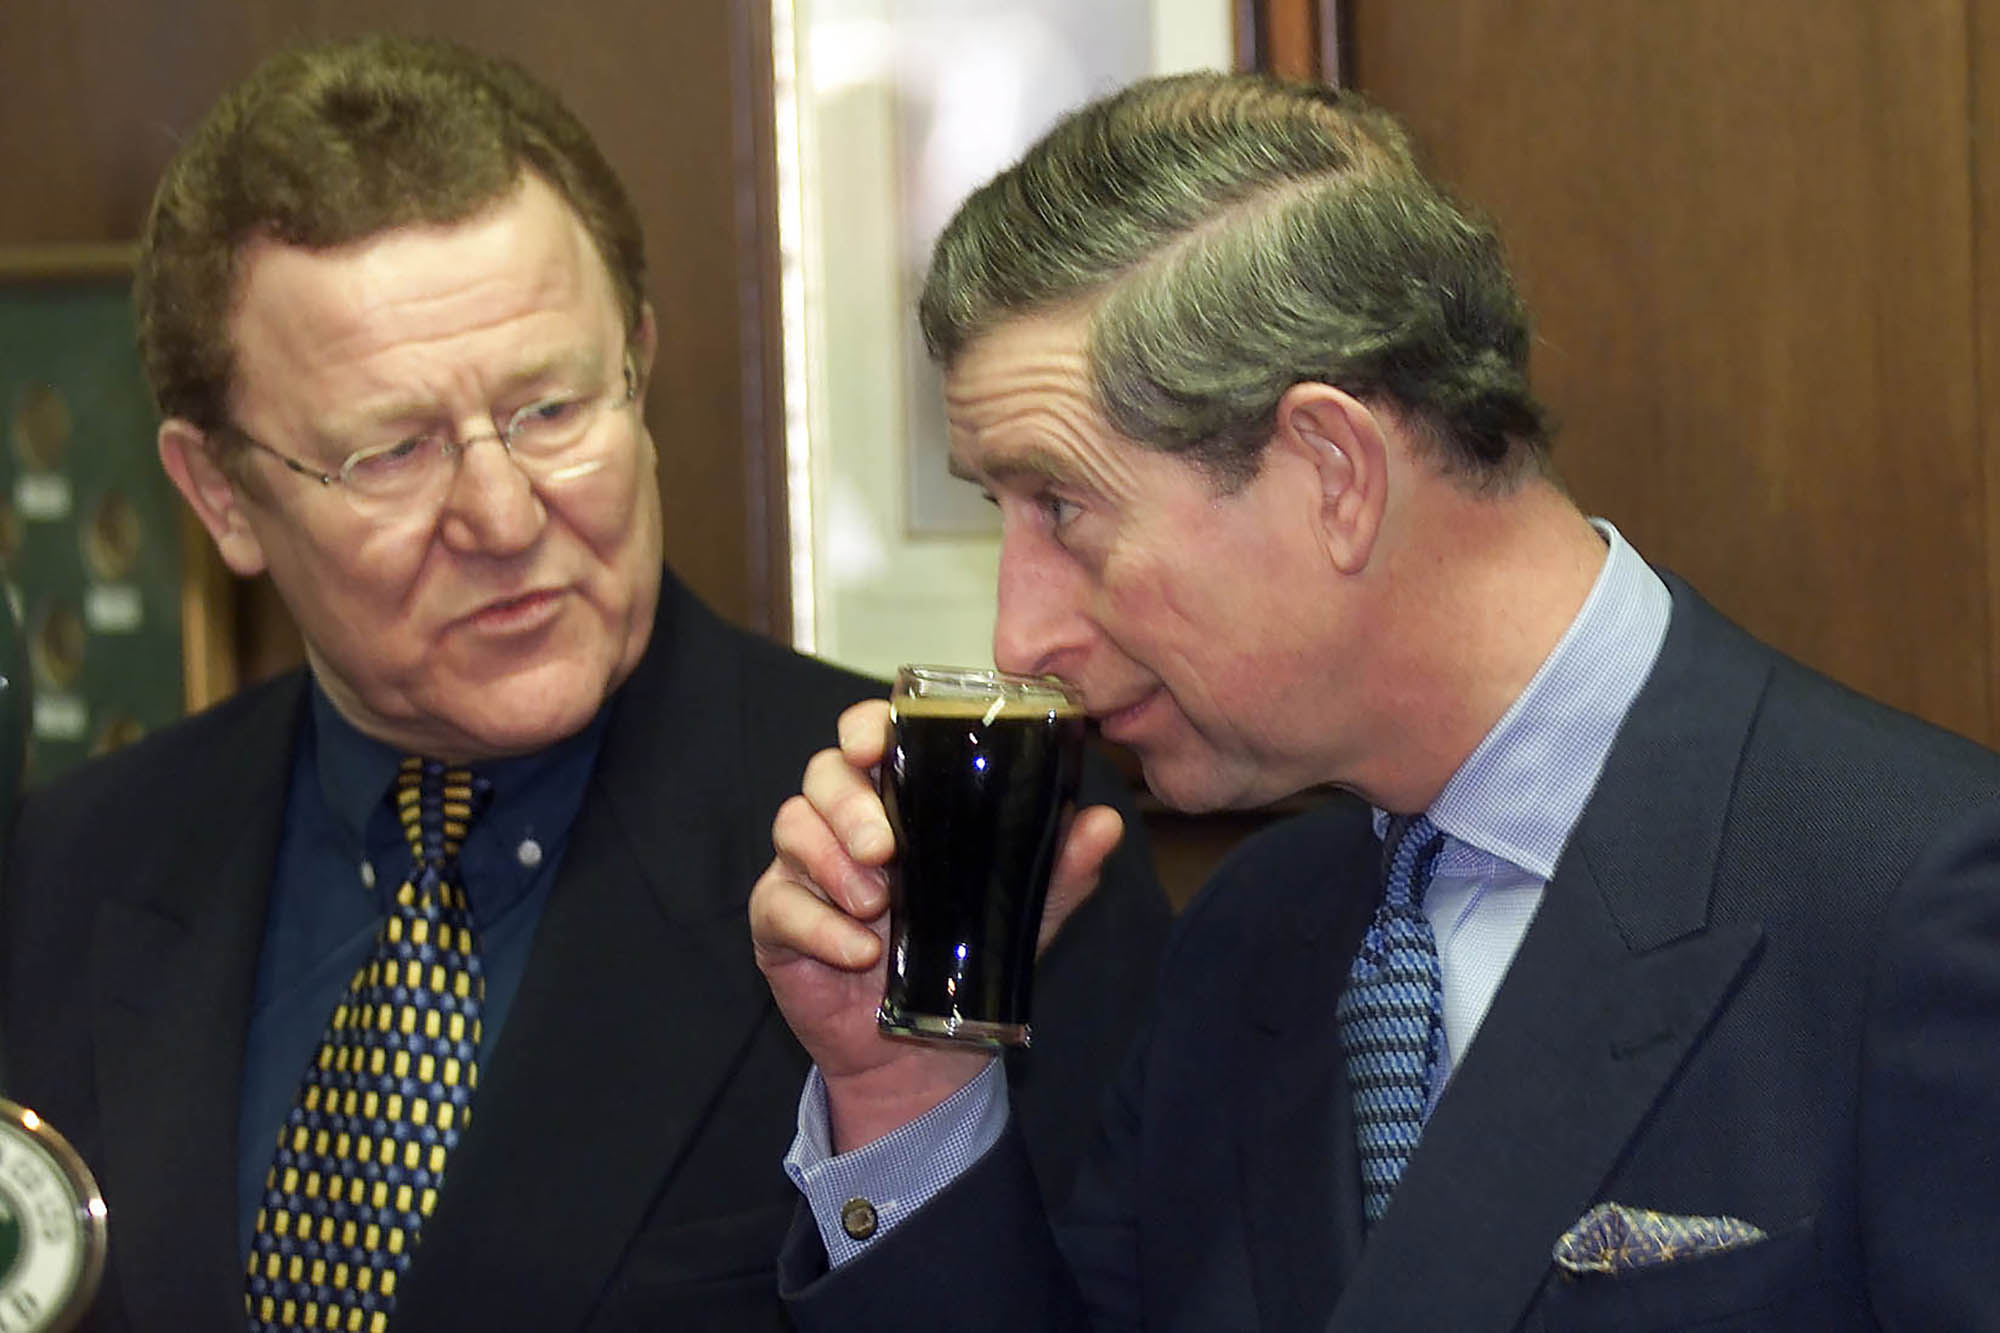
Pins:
<point x="522" y="274"/>
<point x="1028" y="364"/>
<point x="1024" y="418"/>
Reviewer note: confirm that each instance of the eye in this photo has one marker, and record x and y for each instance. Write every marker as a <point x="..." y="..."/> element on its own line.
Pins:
<point x="547" y="419"/>
<point x="1061" y="512"/>
<point x="389" y="460"/>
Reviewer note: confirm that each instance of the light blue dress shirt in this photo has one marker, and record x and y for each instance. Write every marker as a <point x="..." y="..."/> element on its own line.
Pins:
<point x="1507" y="814"/>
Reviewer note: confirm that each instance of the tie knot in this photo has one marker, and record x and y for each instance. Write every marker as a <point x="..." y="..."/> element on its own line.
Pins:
<point x="1410" y="847"/>
<point x="436" y="806"/>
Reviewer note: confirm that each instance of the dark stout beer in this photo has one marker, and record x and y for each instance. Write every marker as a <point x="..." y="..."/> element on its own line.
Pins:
<point x="976" y="787"/>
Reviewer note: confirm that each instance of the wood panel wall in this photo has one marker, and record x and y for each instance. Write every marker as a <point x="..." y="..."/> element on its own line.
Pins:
<point x="1984" y="159"/>
<point x="95" y="93"/>
<point x="1756" y="239"/>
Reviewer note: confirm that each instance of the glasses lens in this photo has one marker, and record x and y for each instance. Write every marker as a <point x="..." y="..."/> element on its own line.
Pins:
<point x="552" y="426"/>
<point x="396" y="475"/>
<point x="564" y="437"/>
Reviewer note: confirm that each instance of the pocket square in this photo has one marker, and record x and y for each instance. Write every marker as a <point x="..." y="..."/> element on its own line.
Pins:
<point x="1612" y="1238"/>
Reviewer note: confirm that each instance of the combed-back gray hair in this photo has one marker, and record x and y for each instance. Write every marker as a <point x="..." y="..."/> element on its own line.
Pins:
<point x="1234" y="235"/>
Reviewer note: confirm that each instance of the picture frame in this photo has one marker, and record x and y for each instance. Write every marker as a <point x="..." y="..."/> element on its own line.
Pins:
<point x="126" y="611"/>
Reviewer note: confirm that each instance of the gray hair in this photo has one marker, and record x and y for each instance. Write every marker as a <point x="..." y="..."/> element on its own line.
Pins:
<point x="1234" y="235"/>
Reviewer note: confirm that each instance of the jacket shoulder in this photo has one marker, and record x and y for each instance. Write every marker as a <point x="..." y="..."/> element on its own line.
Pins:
<point x="150" y="774"/>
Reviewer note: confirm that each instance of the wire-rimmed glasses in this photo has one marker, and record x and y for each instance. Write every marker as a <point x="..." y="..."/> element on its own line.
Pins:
<point x="554" y="440"/>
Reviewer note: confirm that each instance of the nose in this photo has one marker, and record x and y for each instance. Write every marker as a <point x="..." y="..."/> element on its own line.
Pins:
<point x="492" y="507"/>
<point x="1041" y="624"/>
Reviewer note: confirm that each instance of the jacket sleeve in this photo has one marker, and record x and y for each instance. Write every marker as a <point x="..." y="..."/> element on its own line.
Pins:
<point x="978" y="1258"/>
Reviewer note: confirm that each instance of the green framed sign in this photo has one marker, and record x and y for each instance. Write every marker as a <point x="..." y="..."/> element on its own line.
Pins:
<point x="114" y="587"/>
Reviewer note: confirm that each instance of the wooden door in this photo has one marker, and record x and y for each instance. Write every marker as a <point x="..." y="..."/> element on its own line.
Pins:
<point x="1752" y="238"/>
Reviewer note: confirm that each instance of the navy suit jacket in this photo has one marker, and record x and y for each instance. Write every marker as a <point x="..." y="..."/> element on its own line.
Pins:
<point x="622" y="1164"/>
<point x="1764" y="982"/>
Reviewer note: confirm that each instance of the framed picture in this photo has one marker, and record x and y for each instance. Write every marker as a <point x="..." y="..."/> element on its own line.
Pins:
<point x="889" y="112"/>
<point x="123" y="607"/>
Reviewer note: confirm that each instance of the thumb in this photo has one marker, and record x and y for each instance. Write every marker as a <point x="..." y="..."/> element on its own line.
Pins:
<point x="1093" y="835"/>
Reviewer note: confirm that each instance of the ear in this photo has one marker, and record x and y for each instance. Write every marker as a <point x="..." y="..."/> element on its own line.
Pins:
<point x="1344" y="444"/>
<point x="645" y="339"/>
<point x="211" y="493"/>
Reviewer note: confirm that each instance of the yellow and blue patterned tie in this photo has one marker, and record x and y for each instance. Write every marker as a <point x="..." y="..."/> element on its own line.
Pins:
<point x="362" y="1154"/>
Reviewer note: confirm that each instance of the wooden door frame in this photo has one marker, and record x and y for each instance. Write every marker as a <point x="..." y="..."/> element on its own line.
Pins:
<point x="1294" y="39"/>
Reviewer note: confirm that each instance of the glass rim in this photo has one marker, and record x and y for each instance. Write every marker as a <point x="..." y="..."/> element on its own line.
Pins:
<point x="982" y="682"/>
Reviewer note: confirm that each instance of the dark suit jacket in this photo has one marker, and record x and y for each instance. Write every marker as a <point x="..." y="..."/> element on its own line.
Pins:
<point x="622" y="1165"/>
<point x="1764" y="982"/>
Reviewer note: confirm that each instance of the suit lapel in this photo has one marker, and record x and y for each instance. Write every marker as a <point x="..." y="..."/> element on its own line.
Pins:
<point x="1577" y="1048"/>
<point x="645" y="928"/>
<point x="1615" y="983"/>
<point x="1297" y="1149"/>
<point x="174" y="958"/>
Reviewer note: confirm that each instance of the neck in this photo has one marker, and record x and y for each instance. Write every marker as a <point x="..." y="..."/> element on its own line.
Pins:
<point x="1472" y="595"/>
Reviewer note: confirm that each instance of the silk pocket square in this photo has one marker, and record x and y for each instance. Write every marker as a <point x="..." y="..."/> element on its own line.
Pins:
<point x="1612" y="1238"/>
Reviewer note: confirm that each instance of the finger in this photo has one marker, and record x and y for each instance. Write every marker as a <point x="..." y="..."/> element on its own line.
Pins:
<point x="789" y="921"/>
<point x="864" y="733"/>
<point x="808" y="846"/>
<point x="1093" y="835"/>
<point x="847" y="801"/>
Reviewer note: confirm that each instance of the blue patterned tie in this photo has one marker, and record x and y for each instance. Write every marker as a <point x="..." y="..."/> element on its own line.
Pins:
<point x="1392" y="1014"/>
<point x="362" y="1154"/>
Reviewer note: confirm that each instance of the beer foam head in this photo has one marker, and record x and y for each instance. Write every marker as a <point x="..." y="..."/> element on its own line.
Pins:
<point x="944" y="692"/>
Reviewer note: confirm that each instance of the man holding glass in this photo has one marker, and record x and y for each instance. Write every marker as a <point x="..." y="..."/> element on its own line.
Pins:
<point x="1652" y="980"/>
<point x="412" y="987"/>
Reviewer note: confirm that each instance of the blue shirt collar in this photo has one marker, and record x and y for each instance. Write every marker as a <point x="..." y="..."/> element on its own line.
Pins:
<point x="1520" y="794"/>
<point x="535" y="797"/>
<point x="355" y="769"/>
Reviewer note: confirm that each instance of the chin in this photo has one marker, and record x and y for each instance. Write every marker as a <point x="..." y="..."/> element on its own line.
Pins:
<point x="508" y="726"/>
<point x="485" y="745"/>
<point x="1203" y="782"/>
<point x="1183" y="786"/>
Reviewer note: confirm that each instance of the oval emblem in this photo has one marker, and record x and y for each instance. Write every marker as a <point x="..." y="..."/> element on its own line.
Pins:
<point x="52" y="1227"/>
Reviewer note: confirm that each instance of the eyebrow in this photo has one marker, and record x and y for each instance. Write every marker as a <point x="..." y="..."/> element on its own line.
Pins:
<point x="399" y="409"/>
<point x="580" y="362"/>
<point x="1012" y="465"/>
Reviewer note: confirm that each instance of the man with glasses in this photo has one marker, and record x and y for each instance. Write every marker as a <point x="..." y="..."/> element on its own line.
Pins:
<point x="413" y="985"/>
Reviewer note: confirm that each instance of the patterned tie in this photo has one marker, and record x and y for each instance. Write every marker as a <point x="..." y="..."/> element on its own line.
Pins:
<point x="1392" y="1014"/>
<point x="362" y="1154"/>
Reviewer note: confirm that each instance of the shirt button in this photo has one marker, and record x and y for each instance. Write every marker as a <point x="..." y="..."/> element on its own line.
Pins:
<point x="367" y="874"/>
<point x="857" y="1218"/>
<point x="529" y="853"/>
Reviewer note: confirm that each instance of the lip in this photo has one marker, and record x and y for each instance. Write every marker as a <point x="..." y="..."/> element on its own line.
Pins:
<point x="1120" y="723"/>
<point x="516" y="615"/>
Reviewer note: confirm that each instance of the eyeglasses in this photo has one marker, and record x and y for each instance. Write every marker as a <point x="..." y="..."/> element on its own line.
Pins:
<point x="553" y="440"/>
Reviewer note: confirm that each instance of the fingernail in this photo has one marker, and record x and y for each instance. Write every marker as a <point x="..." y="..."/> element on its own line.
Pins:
<point x="874" y="841"/>
<point x="867" y="891"/>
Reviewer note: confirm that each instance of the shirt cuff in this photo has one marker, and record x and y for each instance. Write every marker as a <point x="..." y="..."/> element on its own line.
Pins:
<point x="860" y="1196"/>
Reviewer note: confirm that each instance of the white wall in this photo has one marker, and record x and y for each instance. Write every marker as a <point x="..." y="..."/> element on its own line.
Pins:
<point x="902" y="106"/>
